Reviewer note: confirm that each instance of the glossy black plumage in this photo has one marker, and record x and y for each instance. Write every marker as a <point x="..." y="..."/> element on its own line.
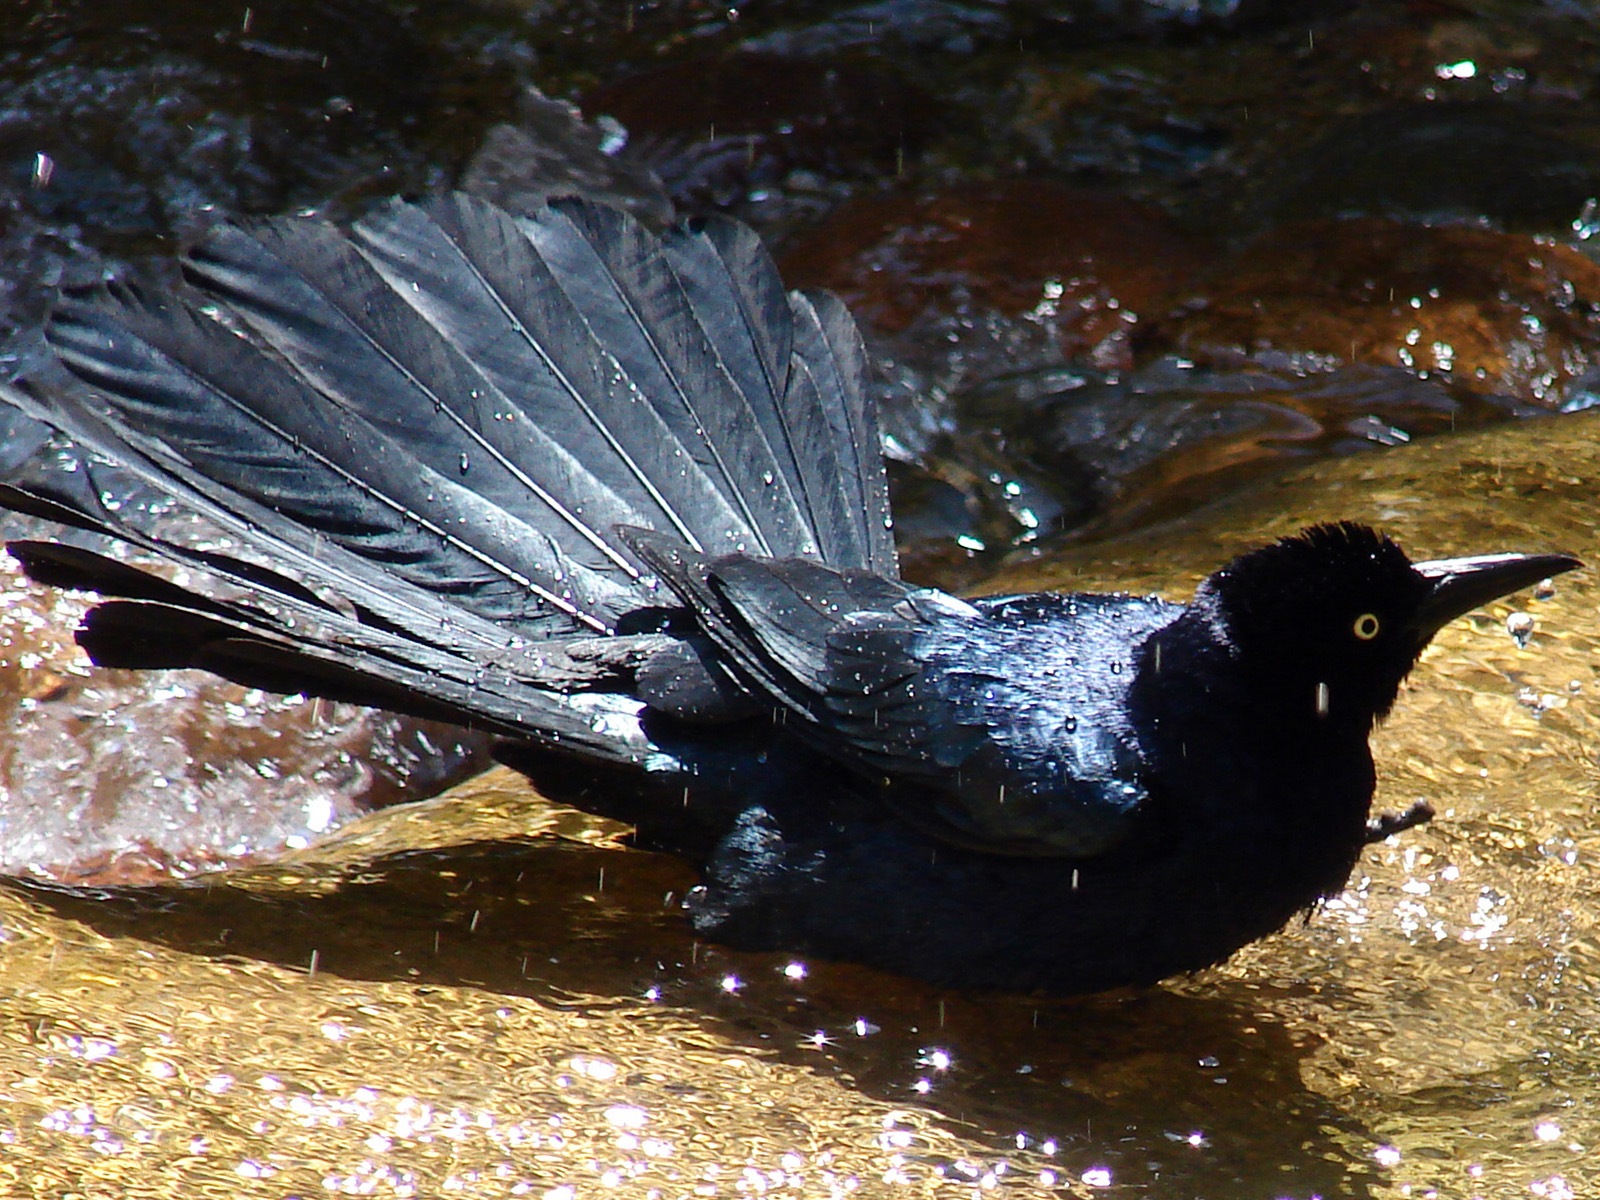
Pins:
<point x="618" y="498"/>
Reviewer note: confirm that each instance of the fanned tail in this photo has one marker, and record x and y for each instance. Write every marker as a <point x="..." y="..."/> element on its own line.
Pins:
<point x="421" y="437"/>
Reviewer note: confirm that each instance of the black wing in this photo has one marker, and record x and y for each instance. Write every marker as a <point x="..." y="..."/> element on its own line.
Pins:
<point x="999" y="724"/>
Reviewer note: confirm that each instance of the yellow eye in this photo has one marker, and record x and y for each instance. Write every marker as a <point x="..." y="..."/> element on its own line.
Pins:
<point x="1367" y="626"/>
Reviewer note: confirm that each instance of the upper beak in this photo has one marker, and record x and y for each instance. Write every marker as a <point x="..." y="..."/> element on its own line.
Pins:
<point x="1462" y="584"/>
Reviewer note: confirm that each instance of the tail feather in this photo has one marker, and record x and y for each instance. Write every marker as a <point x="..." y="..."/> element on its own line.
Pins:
<point x="315" y="300"/>
<point x="851" y="513"/>
<point x="284" y="639"/>
<point x="422" y="437"/>
<point x="305" y="587"/>
<point x="828" y="345"/>
<point x="640" y="312"/>
<point x="546" y="318"/>
<point x="200" y="410"/>
<point x="729" y="284"/>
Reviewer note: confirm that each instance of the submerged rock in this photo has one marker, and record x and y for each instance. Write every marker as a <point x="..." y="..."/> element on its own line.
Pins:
<point x="1499" y="313"/>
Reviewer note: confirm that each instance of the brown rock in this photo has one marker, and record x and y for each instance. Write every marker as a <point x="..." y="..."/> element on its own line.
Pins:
<point x="1086" y="264"/>
<point x="1498" y="312"/>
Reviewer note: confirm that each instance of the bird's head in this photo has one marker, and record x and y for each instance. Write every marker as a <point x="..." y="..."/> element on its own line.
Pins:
<point x="1329" y="621"/>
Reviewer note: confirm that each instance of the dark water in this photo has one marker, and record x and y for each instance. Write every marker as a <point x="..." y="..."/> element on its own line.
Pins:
<point x="1215" y="253"/>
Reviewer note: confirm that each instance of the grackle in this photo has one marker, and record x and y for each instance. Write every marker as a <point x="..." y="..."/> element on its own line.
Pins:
<point x="618" y="498"/>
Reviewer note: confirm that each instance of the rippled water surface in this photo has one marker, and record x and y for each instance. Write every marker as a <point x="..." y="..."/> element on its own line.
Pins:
<point x="483" y="994"/>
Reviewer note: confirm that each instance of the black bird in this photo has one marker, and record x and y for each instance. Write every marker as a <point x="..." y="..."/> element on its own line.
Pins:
<point x="618" y="498"/>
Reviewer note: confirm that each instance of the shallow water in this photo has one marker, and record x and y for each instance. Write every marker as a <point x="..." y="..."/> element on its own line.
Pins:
<point x="483" y="995"/>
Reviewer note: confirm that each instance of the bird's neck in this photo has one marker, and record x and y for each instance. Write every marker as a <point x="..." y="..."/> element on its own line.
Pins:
<point x="1257" y="768"/>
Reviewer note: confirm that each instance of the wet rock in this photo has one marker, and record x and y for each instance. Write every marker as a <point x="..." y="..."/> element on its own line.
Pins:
<point x="1515" y="165"/>
<point x="550" y="151"/>
<point x="1494" y="312"/>
<point x="732" y="130"/>
<point x="1082" y="266"/>
<point x="483" y="973"/>
<point x="1105" y="455"/>
<point x="988" y="288"/>
<point x="153" y="111"/>
<point x="905" y="25"/>
<point x="119" y="776"/>
<point x="126" y="127"/>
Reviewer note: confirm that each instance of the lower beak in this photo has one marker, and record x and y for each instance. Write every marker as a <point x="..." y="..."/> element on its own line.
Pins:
<point x="1462" y="584"/>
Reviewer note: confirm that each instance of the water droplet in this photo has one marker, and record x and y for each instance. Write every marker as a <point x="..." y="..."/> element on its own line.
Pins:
<point x="1520" y="626"/>
<point x="465" y="462"/>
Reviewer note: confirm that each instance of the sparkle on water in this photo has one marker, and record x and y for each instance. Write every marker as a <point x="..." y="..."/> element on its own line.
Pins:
<point x="486" y="1020"/>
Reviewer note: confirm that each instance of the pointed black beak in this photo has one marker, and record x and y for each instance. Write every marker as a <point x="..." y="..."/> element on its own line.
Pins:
<point x="1462" y="584"/>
